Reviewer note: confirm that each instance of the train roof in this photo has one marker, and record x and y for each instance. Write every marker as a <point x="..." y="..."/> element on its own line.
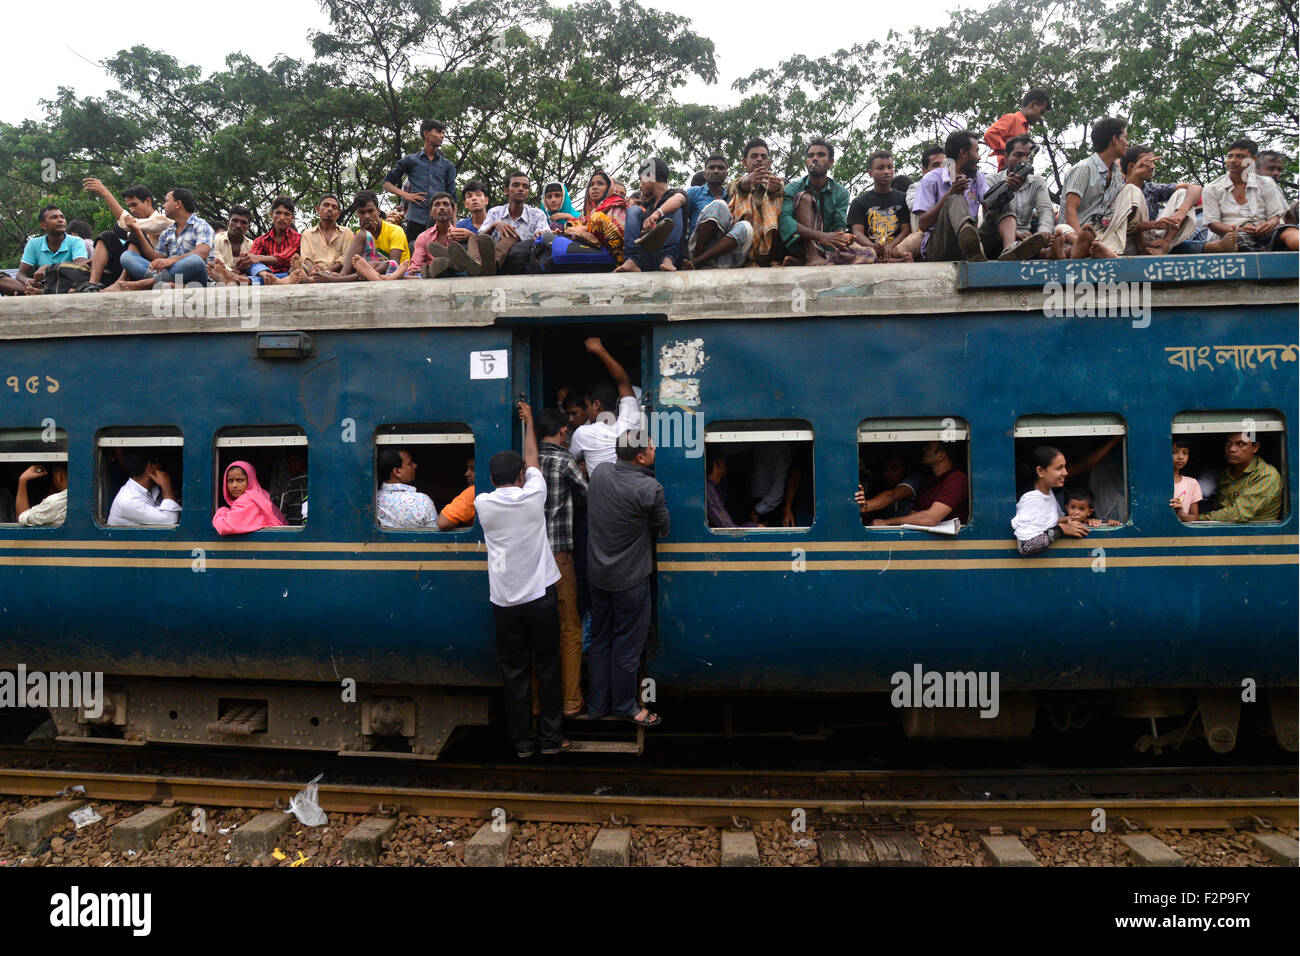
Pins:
<point x="782" y="293"/>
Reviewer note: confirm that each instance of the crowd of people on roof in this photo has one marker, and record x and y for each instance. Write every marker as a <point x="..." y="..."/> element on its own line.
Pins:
<point x="1110" y="205"/>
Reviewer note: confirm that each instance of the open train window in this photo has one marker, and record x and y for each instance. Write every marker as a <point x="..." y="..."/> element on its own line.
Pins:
<point x="759" y="475"/>
<point x="42" y="455"/>
<point x="121" y="451"/>
<point x="442" y="460"/>
<point x="278" y="454"/>
<point x="908" y="466"/>
<point x="1094" y="449"/>
<point x="1223" y="463"/>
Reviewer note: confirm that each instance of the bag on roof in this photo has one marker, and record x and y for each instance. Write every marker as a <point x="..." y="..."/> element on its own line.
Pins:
<point x="66" y="277"/>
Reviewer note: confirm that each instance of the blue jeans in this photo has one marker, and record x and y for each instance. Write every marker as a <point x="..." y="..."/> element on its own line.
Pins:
<point x="647" y="260"/>
<point x="620" y="623"/>
<point x="257" y="268"/>
<point x="191" y="268"/>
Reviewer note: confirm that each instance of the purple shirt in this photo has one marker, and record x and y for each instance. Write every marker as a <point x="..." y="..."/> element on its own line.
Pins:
<point x="931" y="191"/>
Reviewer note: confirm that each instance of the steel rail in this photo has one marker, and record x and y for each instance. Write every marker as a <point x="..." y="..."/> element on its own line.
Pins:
<point x="1072" y="814"/>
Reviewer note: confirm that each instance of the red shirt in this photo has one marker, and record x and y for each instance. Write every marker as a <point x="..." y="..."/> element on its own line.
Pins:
<point x="1007" y="127"/>
<point x="419" y="248"/>
<point x="951" y="489"/>
<point x="284" y="249"/>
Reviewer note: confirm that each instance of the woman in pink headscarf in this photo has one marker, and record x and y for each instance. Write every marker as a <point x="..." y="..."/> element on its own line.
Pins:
<point x="250" y="507"/>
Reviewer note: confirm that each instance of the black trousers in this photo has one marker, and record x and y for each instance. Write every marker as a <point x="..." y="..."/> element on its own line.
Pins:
<point x="112" y="240"/>
<point x="413" y="230"/>
<point x="528" y="637"/>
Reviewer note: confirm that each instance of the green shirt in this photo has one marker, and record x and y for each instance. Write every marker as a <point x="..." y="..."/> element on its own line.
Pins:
<point x="1254" y="495"/>
<point x="832" y="205"/>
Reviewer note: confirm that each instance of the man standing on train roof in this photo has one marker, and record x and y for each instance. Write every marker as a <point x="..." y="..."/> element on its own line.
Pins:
<point x="521" y="583"/>
<point x="1033" y="106"/>
<point x="625" y="510"/>
<point x="134" y="505"/>
<point x="814" y="215"/>
<point x="426" y="173"/>
<point x="947" y="203"/>
<point x="1250" y="488"/>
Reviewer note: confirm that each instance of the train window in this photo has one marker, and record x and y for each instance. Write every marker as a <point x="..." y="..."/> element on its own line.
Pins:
<point x="914" y="473"/>
<point x="759" y="475"/>
<point x="1223" y="469"/>
<point x="278" y="454"/>
<point x="438" y="462"/>
<point x="1094" y="448"/>
<point x="120" y="452"/>
<point x="33" y="476"/>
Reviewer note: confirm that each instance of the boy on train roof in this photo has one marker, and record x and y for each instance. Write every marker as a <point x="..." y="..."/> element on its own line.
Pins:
<point x="1187" y="490"/>
<point x="248" y="506"/>
<point x="1079" y="505"/>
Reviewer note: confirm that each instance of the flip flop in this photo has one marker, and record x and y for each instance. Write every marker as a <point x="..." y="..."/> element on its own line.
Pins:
<point x="651" y="720"/>
<point x="653" y="240"/>
<point x="564" y="745"/>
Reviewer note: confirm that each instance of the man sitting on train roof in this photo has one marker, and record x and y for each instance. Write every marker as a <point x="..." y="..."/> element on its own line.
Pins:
<point x="947" y="204"/>
<point x="880" y="214"/>
<point x="757" y="198"/>
<point x="325" y="244"/>
<point x="814" y="215"/>
<point x="1248" y="206"/>
<point x="134" y="506"/>
<point x="946" y="495"/>
<point x="378" y="242"/>
<point x="398" y="504"/>
<point x="513" y="226"/>
<point x="717" y="239"/>
<point x="139" y="216"/>
<point x="1172" y="229"/>
<point x="52" y="247"/>
<point x="1250" y="489"/>
<point x="438" y="251"/>
<point x="655" y="227"/>
<point x="1270" y="163"/>
<point x="182" y="252"/>
<point x="1024" y="226"/>
<point x="272" y="255"/>
<point x="593" y="442"/>
<point x="51" y="510"/>
<point x="1095" y="191"/>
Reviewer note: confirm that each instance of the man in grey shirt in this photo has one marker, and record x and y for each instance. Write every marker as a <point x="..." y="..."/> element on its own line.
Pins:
<point x="625" y="507"/>
<point x="1022" y="228"/>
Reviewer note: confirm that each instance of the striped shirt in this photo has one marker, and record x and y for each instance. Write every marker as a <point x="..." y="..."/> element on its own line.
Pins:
<point x="1087" y="180"/>
<point x="564" y="479"/>
<point x="181" y="243"/>
<point x="1254" y="495"/>
<point x="283" y="247"/>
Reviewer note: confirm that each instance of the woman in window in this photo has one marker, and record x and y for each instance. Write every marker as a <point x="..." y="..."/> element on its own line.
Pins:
<point x="250" y="507"/>
<point x="1039" y="519"/>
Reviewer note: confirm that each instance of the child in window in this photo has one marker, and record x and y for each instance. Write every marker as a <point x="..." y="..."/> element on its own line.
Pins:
<point x="1081" y="505"/>
<point x="1039" y="520"/>
<point x="250" y="507"/>
<point x="1187" y="490"/>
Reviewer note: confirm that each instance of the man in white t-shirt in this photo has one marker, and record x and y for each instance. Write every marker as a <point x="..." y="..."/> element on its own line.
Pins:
<point x="521" y="583"/>
<point x="592" y="444"/>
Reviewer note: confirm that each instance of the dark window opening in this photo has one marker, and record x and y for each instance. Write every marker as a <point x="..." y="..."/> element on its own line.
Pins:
<point x="1095" y="448"/>
<point x="278" y="453"/>
<point x="897" y="463"/>
<point x="443" y="456"/>
<point x="162" y="446"/>
<point x="21" y="449"/>
<point x="1205" y="434"/>
<point x="764" y="475"/>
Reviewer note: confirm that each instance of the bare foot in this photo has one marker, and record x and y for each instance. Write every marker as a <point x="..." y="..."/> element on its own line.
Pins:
<point x="667" y="266"/>
<point x="364" y="268"/>
<point x="1057" y="246"/>
<point x="628" y="265"/>
<point x="222" y="273"/>
<point x="1227" y="244"/>
<point x="1083" y="242"/>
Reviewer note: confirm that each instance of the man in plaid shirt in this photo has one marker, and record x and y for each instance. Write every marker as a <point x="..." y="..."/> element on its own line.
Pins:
<point x="181" y="252"/>
<point x="564" y="480"/>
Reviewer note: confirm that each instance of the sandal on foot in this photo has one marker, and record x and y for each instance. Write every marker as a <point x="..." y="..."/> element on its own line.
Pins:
<point x="553" y="749"/>
<point x="651" y="720"/>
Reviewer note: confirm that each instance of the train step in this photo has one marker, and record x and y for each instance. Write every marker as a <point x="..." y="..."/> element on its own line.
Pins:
<point x="597" y="743"/>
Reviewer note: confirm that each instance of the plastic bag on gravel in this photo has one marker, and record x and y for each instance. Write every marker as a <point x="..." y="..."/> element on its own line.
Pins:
<point x="303" y="805"/>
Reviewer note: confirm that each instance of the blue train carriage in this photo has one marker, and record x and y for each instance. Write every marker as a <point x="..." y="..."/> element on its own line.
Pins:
<point x="335" y="634"/>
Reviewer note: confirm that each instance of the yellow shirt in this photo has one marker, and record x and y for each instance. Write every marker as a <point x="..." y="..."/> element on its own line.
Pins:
<point x="392" y="242"/>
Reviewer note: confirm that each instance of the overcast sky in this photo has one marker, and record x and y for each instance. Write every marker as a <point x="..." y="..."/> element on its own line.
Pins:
<point x="749" y="35"/>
